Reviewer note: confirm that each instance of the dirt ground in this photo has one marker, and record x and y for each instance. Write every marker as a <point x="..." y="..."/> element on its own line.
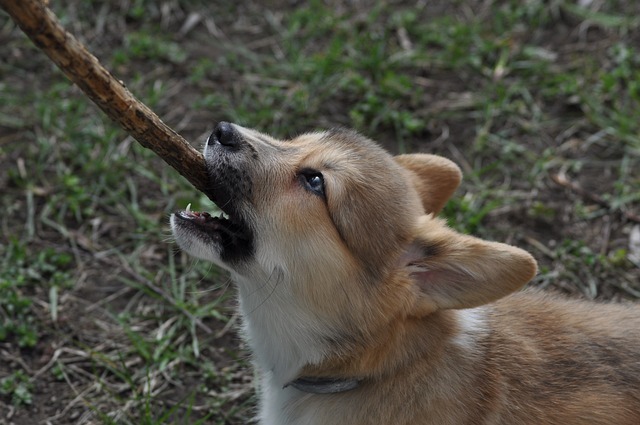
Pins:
<point x="572" y="215"/>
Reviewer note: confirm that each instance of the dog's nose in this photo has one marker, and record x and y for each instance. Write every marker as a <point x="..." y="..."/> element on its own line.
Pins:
<point x="224" y="134"/>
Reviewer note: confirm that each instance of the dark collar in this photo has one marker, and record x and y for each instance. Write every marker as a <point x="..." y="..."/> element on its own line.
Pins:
<point x="324" y="385"/>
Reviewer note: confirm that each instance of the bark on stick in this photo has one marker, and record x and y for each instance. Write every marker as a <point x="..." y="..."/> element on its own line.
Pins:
<point x="80" y="66"/>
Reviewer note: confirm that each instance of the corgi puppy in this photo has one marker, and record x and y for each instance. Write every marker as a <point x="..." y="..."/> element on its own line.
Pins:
<point x="362" y="307"/>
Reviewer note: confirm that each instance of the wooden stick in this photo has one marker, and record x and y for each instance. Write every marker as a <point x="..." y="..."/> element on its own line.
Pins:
<point x="110" y="94"/>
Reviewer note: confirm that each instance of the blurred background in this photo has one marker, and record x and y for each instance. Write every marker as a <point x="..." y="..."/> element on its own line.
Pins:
<point x="104" y="321"/>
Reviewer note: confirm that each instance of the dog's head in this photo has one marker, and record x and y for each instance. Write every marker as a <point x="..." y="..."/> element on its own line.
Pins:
<point x="346" y="229"/>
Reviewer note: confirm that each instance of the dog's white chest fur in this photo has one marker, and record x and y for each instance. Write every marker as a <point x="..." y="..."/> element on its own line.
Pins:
<point x="283" y="336"/>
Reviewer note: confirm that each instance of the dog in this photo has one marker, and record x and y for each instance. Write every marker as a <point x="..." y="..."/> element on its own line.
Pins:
<point x="361" y="306"/>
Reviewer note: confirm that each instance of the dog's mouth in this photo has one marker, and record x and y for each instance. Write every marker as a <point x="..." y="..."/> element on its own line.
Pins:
<point x="227" y="229"/>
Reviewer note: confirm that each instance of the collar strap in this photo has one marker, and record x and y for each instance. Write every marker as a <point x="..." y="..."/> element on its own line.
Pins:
<point x="324" y="385"/>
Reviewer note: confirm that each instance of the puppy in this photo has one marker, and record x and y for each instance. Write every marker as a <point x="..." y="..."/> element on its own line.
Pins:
<point x="362" y="307"/>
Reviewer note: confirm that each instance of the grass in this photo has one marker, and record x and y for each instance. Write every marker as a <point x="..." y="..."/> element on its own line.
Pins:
<point x="104" y="321"/>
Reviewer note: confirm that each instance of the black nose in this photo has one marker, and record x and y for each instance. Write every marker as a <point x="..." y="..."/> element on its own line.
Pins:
<point x="224" y="134"/>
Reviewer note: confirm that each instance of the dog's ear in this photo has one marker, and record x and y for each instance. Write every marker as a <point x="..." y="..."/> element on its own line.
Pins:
<point x="449" y="270"/>
<point x="434" y="177"/>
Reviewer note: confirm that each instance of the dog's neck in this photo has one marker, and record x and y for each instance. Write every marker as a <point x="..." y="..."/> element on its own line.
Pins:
<point x="397" y="346"/>
<point x="283" y="336"/>
<point x="289" y="342"/>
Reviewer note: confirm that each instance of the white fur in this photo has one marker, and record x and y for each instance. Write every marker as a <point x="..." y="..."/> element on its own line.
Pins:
<point x="283" y="336"/>
<point x="195" y="245"/>
<point x="472" y="325"/>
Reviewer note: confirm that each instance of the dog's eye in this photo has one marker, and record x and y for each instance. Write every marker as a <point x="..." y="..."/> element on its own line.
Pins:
<point x="314" y="182"/>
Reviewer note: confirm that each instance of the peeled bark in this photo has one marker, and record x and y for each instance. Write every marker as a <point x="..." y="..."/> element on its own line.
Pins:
<point x="80" y="66"/>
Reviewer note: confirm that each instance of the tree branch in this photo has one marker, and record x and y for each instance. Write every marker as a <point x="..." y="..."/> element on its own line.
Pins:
<point x="110" y="94"/>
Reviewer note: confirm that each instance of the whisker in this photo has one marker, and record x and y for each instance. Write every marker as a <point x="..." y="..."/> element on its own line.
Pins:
<point x="272" y="292"/>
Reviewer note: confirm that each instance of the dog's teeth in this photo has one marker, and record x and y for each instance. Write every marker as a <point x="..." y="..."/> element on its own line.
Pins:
<point x="188" y="207"/>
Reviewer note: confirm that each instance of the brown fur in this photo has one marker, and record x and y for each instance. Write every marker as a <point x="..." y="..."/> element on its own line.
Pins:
<point x="365" y="283"/>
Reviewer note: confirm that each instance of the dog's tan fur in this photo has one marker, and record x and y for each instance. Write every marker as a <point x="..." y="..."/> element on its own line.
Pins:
<point x="364" y="282"/>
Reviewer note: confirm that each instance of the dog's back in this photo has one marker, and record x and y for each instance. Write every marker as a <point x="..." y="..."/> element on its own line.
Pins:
<point x="565" y="361"/>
